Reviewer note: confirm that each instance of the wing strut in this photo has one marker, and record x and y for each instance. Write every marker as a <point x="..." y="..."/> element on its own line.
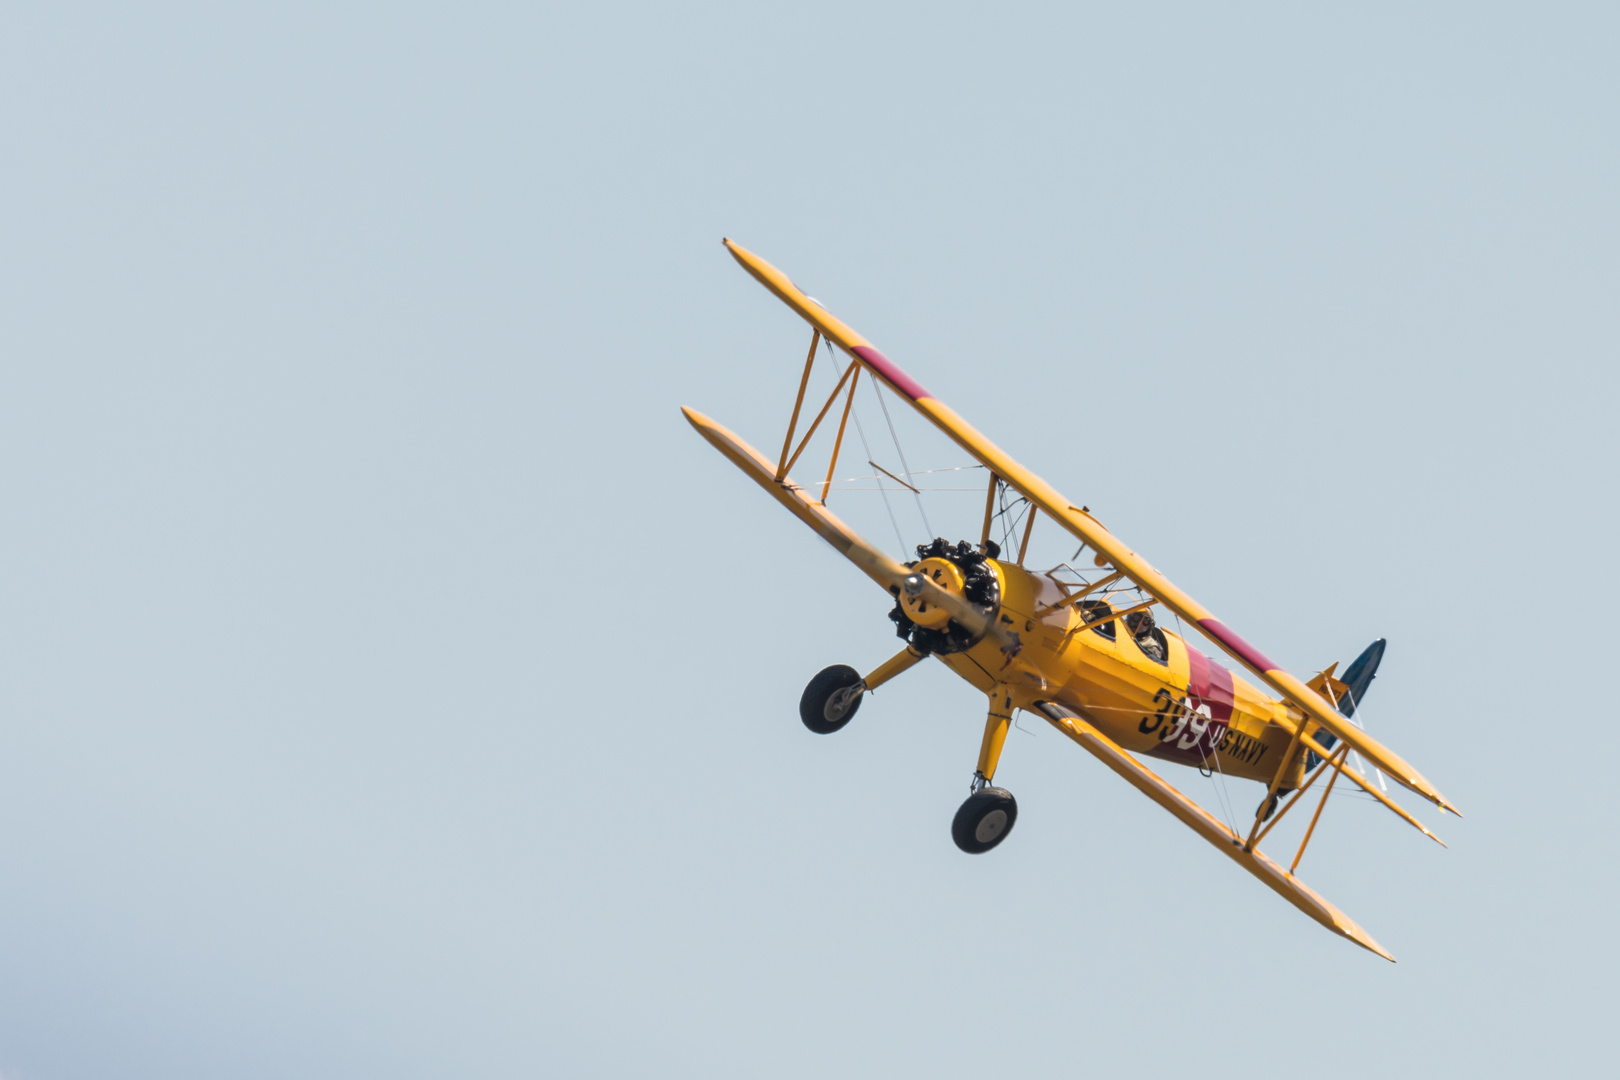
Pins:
<point x="798" y="403"/>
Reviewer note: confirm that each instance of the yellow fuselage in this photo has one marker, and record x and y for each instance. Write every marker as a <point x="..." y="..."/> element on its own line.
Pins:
<point x="1188" y="710"/>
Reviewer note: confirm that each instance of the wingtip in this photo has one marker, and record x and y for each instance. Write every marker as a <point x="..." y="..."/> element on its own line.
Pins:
<point x="1430" y="792"/>
<point x="1362" y="938"/>
<point x="743" y="256"/>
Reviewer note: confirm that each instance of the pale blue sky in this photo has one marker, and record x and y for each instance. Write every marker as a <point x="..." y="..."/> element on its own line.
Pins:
<point x="395" y="685"/>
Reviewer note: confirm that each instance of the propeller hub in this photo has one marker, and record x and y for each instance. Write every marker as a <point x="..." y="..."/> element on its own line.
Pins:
<point x="942" y="573"/>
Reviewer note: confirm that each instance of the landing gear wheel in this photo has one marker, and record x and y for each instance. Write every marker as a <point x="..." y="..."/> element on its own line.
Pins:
<point x="984" y="820"/>
<point x="831" y="699"/>
<point x="1268" y="807"/>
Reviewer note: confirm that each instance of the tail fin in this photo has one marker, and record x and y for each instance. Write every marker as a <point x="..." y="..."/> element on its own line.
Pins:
<point x="1359" y="675"/>
<point x="1357" y="678"/>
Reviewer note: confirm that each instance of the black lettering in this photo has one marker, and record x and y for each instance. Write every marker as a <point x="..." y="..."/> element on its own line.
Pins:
<point x="1148" y="726"/>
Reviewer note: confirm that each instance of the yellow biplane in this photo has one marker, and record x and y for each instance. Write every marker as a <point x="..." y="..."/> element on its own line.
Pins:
<point x="1079" y="648"/>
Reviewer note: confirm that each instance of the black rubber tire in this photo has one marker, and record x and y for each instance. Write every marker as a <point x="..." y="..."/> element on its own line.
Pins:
<point x="817" y="699"/>
<point x="977" y="828"/>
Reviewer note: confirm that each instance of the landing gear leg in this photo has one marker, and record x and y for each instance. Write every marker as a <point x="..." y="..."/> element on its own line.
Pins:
<point x="903" y="660"/>
<point x="995" y="734"/>
<point x="987" y="816"/>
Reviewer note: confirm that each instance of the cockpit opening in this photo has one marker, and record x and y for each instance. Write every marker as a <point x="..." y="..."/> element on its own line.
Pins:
<point x="1094" y="610"/>
<point x="1148" y="637"/>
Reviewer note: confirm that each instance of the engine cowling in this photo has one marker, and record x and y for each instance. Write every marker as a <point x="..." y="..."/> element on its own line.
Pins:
<point x="961" y="570"/>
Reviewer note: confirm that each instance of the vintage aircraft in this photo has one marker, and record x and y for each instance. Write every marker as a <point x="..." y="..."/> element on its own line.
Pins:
<point x="1079" y="648"/>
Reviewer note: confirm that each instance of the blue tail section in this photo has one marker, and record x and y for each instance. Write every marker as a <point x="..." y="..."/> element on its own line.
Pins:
<point x="1358" y="677"/>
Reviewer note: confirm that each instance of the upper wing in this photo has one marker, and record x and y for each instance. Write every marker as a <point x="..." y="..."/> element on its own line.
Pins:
<point x="1149" y="783"/>
<point x="1086" y="528"/>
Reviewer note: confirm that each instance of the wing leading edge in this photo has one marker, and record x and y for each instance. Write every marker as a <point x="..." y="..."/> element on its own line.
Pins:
<point x="1086" y="528"/>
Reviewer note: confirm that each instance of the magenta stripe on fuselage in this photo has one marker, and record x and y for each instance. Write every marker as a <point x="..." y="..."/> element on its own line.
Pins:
<point x="1210" y="684"/>
<point x="892" y="374"/>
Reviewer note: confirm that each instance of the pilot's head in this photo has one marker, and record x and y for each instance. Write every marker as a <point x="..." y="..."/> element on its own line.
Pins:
<point x="1139" y="623"/>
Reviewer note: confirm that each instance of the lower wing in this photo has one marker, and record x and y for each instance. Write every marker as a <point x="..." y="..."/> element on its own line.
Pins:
<point x="1204" y="824"/>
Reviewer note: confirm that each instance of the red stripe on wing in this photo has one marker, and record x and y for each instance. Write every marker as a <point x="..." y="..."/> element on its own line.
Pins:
<point x="1217" y="630"/>
<point x="891" y="374"/>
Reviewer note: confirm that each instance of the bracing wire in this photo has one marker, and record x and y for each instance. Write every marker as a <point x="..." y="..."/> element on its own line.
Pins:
<point x="855" y="479"/>
<point x="1009" y="524"/>
<point x="878" y="390"/>
<point x="1222" y="793"/>
<point x="832" y="359"/>
<point x="917" y="472"/>
<point x="1355" y="707"/>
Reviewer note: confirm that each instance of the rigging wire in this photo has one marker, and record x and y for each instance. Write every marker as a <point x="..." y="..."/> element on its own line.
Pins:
<point x="1001" y="515"/>
<point x="832" y="359"/>
<point x="1009" y="525"/>
<point x="878" y="390"/>
<point x="1222" y="793"/>
<point x="855" y="479"/>
<point x="918" y="472"/>
<point x="1355" y="707"/>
